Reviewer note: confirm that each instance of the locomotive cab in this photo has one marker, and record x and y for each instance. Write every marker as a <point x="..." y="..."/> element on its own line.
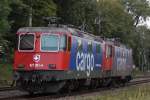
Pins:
<point x="42" y="51"/>
<point x="108" y="57"/>
<point x="42" y="56"/>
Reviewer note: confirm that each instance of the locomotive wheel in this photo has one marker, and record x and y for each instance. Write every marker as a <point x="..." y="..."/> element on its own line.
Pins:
<point x="72" y="85"/>
<point x="114" y="83"/>
<point x="97" y="84"/>
<point x="31" y="93"/>
<point x="76" y="84"/>
<point x="54" y="87"/>
<point x="107" y="82"/>
<point x="94" y="84"/>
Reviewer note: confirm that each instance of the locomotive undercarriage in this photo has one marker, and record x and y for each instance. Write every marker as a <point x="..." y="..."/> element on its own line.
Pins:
<point x="43" y="82"/>
<point x="42" y="87"/>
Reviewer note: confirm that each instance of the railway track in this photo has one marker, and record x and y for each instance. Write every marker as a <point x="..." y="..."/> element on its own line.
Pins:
<point x="25" y="96"/>
<point x="136" y="82"/>
<point x="8" y="88"/>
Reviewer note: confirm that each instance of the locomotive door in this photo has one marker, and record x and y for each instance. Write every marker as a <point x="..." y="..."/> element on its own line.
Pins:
<point x="108" y="59"/>
<point x="98" y="59"/>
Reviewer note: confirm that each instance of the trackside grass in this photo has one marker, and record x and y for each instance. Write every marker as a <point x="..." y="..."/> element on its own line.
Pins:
<point x="130" y="93"/>
<point x="5" y="73"/>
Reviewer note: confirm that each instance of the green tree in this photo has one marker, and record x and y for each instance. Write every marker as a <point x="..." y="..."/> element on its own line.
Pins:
<point x="139" y="9"/>
<point x="21" y="10"/>
<point x="77" y="12"/>
<point x="4" y="24"/>
<point x="142" y="47"/>
<point x="114" y="21"/>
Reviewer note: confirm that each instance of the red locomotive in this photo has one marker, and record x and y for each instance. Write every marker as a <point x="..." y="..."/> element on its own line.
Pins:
<point x="49" y="59"/>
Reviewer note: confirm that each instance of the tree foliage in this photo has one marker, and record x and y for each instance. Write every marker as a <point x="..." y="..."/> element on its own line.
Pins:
<point x="78" y="12"/>
<point x="21" y="10"/>
<point x="4" y="12"/>
<point x="139" y="9"/>
<point x="4" y="24"/>
<point x="115" y="22"/>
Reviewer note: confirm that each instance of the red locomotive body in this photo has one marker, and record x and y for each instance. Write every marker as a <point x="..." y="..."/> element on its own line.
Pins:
<point x="50" y="58"/>
<point x="34" y="58"/>
<point x="108" y="57"/>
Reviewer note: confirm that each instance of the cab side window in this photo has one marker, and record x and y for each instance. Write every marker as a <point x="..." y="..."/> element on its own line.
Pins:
<point x="69" y="43"/>
<point x="108" y="51"/>
<point x="63" y="43"/>
<point x="98" y="48"/>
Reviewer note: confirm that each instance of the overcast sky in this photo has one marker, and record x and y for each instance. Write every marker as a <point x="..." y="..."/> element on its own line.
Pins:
<point x="148" y="19"/>
<point x="147" y="23"/>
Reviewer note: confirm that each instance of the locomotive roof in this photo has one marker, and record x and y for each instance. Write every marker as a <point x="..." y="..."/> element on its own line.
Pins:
<point x="66" y="30"/>
<point x="42" y="29"/>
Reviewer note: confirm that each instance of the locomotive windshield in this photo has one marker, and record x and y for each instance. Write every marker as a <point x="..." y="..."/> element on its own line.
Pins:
<point x="63" y="42"/>
<point x="50" y="42"/>
<point x="26" y="42"/>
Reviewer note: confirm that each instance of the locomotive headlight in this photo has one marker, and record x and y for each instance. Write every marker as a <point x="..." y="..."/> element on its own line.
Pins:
<point x="52" y="66"/>
<point x="21" y="66"/>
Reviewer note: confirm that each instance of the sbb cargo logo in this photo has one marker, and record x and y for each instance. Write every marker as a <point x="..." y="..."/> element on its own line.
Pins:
<point x="121" y="63"/>
<point x="36" y="58"/>
<point x="85" y="62"/>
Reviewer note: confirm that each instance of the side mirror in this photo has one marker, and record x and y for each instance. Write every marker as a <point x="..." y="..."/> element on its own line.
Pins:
<point x="69" y="43"/>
